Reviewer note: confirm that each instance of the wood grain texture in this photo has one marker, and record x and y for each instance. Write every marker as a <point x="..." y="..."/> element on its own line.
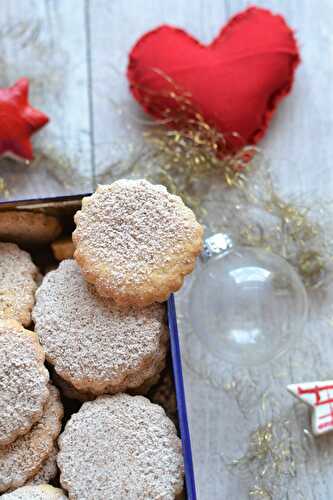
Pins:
<point x="46" y="42"/>
<point x="298" y="142"/>
<point x="297" y="147"/>
<point x="96" y="123"/>
<point x="116" y="26"/>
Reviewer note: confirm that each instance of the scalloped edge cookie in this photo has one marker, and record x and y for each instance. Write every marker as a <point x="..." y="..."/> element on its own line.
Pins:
<point x="18" y="283"/>
<point x="22" y="459"/>
<point x="122" y="446"/>
<point x="141" y="253"/>
<point x="16" y="332"/>
<point x="91" y="342"/>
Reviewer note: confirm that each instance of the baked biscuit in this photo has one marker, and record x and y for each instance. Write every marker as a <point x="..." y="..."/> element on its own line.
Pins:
<point x="91" y="342"/>
<point x="41" y="492"/>
<point x="23" y="380"/>
<point x="70" y="392"/>
<point x="18" y="275"/>
<point x="22" y="459"/>
<point x="63" y="249"/>
<point x="135" y="242"/>
<point x="120" y="446"/>
<point x="28" y="228"/>
<point x="48" y="471"/>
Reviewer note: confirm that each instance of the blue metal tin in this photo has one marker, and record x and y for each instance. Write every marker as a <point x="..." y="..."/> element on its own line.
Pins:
<point x="55" y="202"/>
<point x="180" y="395"/>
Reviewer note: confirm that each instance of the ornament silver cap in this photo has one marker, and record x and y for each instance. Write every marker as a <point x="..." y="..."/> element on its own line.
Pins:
<point x="216" y="244"/>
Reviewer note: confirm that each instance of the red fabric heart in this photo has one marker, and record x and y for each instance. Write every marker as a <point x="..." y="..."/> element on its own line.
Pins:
<point x="235" y="82"/>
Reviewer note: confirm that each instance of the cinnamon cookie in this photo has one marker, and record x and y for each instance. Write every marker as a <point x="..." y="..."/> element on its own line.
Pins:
<point x="92" y="343"/>
<point x="120" y="447"/>
<point x="41" y="492"/>
<point x="23" y="380"/>
<point x="17" y="283"/>
<point x="135" y="242"/>
<point x="28" y="228"/>
<point x="22" y="459"/>
<point x="48" y="471"/>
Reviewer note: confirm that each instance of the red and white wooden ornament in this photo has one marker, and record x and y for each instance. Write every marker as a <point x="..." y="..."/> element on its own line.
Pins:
<point x="318" y="395"/>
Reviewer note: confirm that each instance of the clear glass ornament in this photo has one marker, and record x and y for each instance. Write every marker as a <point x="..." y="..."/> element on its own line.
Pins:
<point x="247" y="305"/>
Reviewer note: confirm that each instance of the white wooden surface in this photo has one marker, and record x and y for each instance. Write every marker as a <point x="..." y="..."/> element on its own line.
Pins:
<point x="77" y="69"/>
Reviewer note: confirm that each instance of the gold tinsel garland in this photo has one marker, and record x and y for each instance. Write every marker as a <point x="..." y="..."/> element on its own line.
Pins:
<point x="188" y="159"/>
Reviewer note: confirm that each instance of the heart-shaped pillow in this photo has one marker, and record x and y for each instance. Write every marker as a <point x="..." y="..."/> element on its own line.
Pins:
<point x="235" y="82"/>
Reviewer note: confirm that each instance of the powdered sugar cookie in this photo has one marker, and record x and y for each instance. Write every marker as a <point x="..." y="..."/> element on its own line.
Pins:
<point x="92" y="343"/>
<point x="48" y="471"/>
<point x="120" y="447"/>
<point x="41" y="492"/>
<point x="17" y="283"/>
<point x="70" y="392"/>
<point x="145" y="387"/>
<point x="135" y="242"/>
<point x="22" y="459"/>
<point x="23" y="380"/>
<point x="28" y="228"/>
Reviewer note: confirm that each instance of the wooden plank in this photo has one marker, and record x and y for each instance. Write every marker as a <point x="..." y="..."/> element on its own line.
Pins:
<point x="298" y="149"/>
<point x="46" y="42"/>
<point x="299" y="138"/>
<point x="115" y="27"/>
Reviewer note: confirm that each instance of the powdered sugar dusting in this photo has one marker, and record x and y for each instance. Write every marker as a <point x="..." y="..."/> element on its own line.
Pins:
<point x="93" y="343"/>
<point x="17" y="283"/>
<point x="48" y="471"/>
<point x="120" y="447"/>
<point x="20" y="460"/>
<point x="23" y="380"/>
<point x="132" y="229"/>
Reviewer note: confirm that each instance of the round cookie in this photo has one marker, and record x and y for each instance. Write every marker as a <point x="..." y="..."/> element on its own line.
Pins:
<point x="91" y="342"/>
<point x="17" y="283"/>
<point x="23" y="380"/>
<point x="120" y="447"/>
<point x="28" y="228"/>
<point x="41" y="492"/>
<point x="22" y="459"/>
<point x="48" y="471"/>
<point x="135" y="242"/>
<point x="70" y="392"/>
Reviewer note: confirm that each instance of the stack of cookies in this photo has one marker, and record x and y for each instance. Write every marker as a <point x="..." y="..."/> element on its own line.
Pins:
<point x="99" y="322"/>
<point x="30" y="411"/>
<point x="30" y="408"/>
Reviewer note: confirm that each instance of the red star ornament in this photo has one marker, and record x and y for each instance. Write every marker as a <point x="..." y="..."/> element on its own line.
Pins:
<point x="18" y="121"/>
